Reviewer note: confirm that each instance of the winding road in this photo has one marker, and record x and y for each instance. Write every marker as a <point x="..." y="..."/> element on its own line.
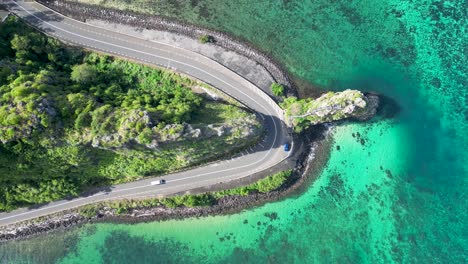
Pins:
<point x="261" y="157"/>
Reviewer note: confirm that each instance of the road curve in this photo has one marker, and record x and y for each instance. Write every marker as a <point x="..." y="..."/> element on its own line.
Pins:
<point x="263" y="156"/>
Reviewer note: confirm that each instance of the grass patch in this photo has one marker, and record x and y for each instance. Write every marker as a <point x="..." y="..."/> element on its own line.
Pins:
<point x="265" y="185"/>
<point x="212" y="112"/>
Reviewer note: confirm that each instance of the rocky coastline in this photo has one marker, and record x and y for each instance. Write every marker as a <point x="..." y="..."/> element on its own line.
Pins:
<point x="314" y="140"/>
<point x="83" y="12"/>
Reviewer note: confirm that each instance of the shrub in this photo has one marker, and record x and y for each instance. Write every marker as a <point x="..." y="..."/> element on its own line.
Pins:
<point x="88" y="210"/>
<point x="145" y="136"/>
<point x="272" y="182"/>
<point x="265" y="185"/>
<point x="169" y="202"/>
<point x="277" y="89"/>
<point x="83" y="73"/>
<point x="206" y="39"/>
<point x="198" y="200"/>
<point x="4" y="73"/>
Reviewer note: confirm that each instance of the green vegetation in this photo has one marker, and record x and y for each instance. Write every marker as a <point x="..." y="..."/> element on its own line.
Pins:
<point x="124" y="206"/>
<point x="265" y="185"/>
<point x="277" y="89"/>
<point x="71" y="120"/>
<point x="206" y="39"/>
<point x="214" y="112"/>
<point x="188" y="200"/>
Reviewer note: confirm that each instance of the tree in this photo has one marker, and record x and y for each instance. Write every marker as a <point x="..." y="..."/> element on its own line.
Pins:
<point x="277" y="89"/>
<point x="20" y="42"/>
<point x="28" y="47"/>
<point x="83" y="73"/>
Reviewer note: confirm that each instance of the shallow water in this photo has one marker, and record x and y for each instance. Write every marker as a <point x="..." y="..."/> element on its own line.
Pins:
<point x="394" y="190"/>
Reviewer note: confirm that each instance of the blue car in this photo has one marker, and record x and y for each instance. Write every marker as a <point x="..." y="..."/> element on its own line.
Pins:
<point x="287" y="147"/>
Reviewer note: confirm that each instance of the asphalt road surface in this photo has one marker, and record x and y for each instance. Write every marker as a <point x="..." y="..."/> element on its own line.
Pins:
<point x="260" y="157"/>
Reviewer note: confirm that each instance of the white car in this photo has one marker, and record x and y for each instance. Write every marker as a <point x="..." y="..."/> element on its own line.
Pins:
<point x="158" y="182"/>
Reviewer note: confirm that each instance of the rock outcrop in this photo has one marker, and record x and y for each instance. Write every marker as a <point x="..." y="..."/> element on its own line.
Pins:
<point x="245" y="127"/>
<point x="349" y="104"/>
<point x="17" y="121"/>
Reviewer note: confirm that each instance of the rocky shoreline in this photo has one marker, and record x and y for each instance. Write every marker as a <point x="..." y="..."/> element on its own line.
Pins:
<point x="313" y="139"/>
<point x="83" y="12"/>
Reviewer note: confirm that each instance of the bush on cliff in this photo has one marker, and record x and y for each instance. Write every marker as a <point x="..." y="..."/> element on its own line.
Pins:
<point x="277" y="89"/>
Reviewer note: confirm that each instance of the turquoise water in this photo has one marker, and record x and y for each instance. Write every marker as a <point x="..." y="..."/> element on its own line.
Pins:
<point x="394" y="190"/>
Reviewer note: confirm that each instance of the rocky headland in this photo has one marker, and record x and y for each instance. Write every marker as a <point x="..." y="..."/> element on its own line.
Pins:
<point x="329" y="107"/>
